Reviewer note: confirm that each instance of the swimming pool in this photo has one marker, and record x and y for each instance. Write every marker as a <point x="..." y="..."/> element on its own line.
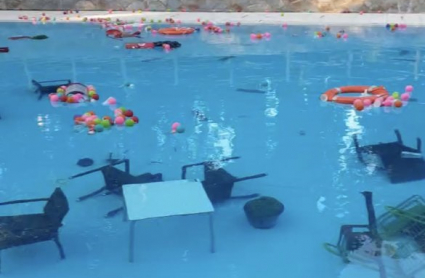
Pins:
<point x="303" y="145"/>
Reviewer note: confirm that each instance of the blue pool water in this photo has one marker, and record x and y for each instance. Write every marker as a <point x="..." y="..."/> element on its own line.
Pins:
<point x="303" y="145"/>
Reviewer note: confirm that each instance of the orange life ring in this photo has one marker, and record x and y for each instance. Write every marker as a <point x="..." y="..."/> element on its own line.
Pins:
<point x="367" y="92"/>
<point x="176" y="31"/>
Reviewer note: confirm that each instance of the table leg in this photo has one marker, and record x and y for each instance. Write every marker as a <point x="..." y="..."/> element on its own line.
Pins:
<point x="131" y="243"/>
<point x="212" y="237"/>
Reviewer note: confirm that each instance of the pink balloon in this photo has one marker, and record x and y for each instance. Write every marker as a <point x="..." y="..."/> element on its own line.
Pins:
<point x="267" y="35"/>
<point x="405" y="96"/>
<point x="387" y="103"/>
<point x="253" y="36"/>
<point x="357" y="102"/>
<point x="54" y="98"/>
<point x="345" y="36"/>
<point x="92" y="118"/>
<point x="367" y="102"/>
<point x="119" y="120"/>
<point x="112" y="101"/>
<point x="174" y="126"/>
<point x="409" y="89"/>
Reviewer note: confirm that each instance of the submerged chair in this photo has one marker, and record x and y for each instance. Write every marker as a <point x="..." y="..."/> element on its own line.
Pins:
<point x="218" y="183"/>
<point x="32" y="228"/>
<point x="115" y="178"/>
<point x="48" y="87"/>
<point x="401" y="163"/>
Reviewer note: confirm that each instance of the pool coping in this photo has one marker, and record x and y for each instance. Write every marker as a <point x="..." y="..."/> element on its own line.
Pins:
<point x="340" y="19"/>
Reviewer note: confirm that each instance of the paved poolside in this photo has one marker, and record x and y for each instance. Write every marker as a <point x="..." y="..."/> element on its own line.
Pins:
<point x="243" y="18"/>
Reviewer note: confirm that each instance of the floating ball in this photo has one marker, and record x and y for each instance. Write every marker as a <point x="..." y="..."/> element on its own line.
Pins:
<point x="111" y="101"/>
<point x="129" y="122"/>
<point x="174" y="126"/>
<point x="180" y="129"/>
<point x="54" y="98"/>
<point x="122" y="109"/>
<point x="60" y="90"/>
<point x="128" y="113"/>
<point x="76" y="98"/>
<point x="105" y="123"/>
<point x="70" y="99"/>
<point x="253" y="36"/>
<point x="367" y="102"/>
<point x="358" y="105"/>
<point x="338" y="35"/>
<point x="395" y="95"/>
<point x="98" y="128"/>
<point x="97" y="121"/>
<point x="387" y="102"/>
<point x="345" y="36"/>
<point x="119" y="120"/>
<point x="409" y="89"/>
<point x="267" y="35"/>
<point x="135" y="119"/>
<point x="405" y="97"/>
<point x="398" y="103"/>
<point x="63" y="98"/>
<point x="95" y="97"/>
<point x="259" y="36"/>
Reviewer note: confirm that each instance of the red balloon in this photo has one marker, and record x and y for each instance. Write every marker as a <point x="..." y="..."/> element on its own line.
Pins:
<point x="128" y="113"/>
<point x="135" y="119"/>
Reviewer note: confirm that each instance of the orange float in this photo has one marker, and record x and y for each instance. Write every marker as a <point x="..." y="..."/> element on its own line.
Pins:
<point x="366" y="92"/>
<point x="176" y="31"/>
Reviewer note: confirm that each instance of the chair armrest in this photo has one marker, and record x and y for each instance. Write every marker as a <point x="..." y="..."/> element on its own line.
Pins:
<point x="25" y="201"/>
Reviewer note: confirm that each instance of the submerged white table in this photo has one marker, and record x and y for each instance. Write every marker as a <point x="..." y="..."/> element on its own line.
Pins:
<point x="163" y="199"/>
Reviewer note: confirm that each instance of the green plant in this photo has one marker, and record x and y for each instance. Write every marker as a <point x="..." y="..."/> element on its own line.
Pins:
<point x="263" y="207"/>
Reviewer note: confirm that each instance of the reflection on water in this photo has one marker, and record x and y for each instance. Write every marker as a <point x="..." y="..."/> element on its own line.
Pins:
<point x="48" y="124"/>
<point x="353" y="128"/>
<point x="271" y="111"/>
<point x="220" y="140"/>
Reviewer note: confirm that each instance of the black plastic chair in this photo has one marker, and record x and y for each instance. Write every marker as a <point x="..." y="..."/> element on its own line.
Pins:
<point x="114" y="180"/>
<point x="218" y="183"/>
<point x="43" y="89"/>
<point x="399" y="168"/>
<point x="33" y="228"/>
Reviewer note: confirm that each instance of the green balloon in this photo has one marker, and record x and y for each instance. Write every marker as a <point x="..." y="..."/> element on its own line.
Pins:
<point x="123" y="109"/>
<point x="97" y="121"/>
<point x="106" y="123"/>
<point x="129" y="122"/>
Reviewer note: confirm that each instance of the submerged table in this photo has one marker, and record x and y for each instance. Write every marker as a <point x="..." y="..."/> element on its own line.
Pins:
<point x="163" y="199"/>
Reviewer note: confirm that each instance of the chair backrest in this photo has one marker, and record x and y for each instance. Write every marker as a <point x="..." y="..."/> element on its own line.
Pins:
<point x="57" y="207"/>
<point x="217" y="176"/>
<point x="116" y="178"/>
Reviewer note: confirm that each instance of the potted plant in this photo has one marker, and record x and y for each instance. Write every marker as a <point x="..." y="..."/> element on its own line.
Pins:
<point x="263" y="212"/>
